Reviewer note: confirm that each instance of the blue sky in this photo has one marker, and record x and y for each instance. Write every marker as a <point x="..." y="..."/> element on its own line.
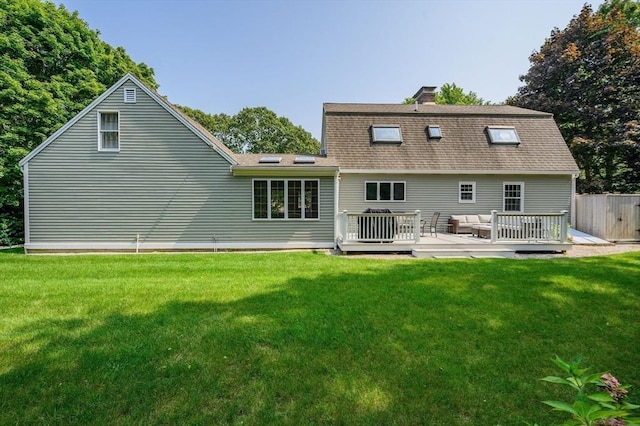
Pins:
<point x="291" y="56"/>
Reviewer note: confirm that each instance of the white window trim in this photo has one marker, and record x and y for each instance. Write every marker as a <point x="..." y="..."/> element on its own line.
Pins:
<point x="100" y="148"/>
<point x="473" y="193"/>
<point x="504" y="184"/>
<point x="134" y="97"/>
<point x="286" y="200"/>
<point x="378" y="200"/>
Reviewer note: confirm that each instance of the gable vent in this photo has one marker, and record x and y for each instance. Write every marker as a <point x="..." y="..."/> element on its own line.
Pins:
<point x="130" y="95"/>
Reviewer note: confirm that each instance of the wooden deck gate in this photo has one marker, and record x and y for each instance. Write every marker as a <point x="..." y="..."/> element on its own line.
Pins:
<point x="613" y="217"/>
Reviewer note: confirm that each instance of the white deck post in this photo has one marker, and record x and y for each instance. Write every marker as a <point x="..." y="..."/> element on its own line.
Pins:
<point x="494" y="226"/>
<point x="564" y="229"/>
<point x="344" y="226"/>
<point x="416" y="226"/>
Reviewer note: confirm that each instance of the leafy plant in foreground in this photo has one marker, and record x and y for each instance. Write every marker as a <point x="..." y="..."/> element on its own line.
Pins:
<point x="599" y="399"/>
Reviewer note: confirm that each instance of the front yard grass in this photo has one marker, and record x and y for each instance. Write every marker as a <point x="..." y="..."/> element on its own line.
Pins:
<point x="304" y="338"/>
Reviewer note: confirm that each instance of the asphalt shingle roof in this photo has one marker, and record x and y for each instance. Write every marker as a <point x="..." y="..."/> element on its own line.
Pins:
<point x="464" y="145"/>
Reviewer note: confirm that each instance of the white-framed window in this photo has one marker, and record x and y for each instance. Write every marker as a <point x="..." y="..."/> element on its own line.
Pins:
<point x="386" y="134"/>
<point x="513" y="197"/>
<point x="466" y="192"/>
<point x="385" y="191"/>
<point x="129" y="95"/>
<point x="286" y="199"/>
<point x="108" y="131"/>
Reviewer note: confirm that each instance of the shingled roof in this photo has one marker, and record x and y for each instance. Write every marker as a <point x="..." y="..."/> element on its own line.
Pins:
<point x="464" y="147"/>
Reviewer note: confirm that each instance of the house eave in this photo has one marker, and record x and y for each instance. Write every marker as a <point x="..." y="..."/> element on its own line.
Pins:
<point x="456" y="172"/>
<point x="283" y="171"/>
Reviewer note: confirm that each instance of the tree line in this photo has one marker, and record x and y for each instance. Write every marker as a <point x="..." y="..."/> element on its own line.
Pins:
<point x="587" y="75"/>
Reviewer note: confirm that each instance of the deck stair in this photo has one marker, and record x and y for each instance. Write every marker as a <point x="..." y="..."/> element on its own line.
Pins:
<point x="462" y="252"/>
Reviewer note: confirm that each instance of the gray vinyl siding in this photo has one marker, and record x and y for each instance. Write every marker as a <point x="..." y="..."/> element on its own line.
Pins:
<point x="165" y="184"/>
<point x="431" y="193"/>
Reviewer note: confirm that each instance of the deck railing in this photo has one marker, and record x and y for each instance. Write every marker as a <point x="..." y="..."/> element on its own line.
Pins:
<point x="529" y="227"/>
<point x="406" y="227"/>
<point x="379" y="227"/>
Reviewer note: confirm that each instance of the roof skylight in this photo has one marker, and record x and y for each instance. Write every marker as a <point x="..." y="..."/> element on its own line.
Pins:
<point x="503" y="135"/>
<point x="434" y="132"/>
<point x="386" y="134"/>
<point x="270" y="160"/>
<point x="304" y="159"/>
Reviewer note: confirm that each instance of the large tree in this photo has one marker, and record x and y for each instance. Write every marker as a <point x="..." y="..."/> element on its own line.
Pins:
<point x="257" y="130"/>
<point x="53" y="65"/>
<point x="588" y="76"/>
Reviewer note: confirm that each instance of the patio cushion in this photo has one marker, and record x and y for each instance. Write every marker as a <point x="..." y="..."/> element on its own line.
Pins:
<point x="460" y="218"/>
<point x="485" y="218"/>
<point x="473" y="218"/>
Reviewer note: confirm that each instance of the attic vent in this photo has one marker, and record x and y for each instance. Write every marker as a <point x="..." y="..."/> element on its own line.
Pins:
<point x="434" y="132"/>
<point x="130" y="95"/>
<point x="386" y="134"/>
<point x="304" y="159"/>
<point x="503" y="135"/>
<point x="270" y="160"/>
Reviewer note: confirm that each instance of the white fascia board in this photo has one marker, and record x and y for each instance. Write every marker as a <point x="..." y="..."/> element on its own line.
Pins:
<point x="75" y="119"/>
<point x="107" y="93"/>
<point x="283" y="171"/>
<point x="454" y="172"/>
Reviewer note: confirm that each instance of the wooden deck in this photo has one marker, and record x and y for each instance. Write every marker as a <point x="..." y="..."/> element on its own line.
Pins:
<point x="455" y="245"/>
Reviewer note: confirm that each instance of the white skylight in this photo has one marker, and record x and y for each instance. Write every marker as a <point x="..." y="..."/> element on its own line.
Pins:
<point x="386" y="134"/>
<point x="503" y="135"/>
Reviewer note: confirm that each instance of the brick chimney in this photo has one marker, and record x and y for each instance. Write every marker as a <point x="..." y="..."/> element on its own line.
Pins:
<point x="426" y="95"/>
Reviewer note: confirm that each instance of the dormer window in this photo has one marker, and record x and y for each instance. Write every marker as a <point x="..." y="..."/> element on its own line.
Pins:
<point x="386" y="134"/>
<point x="434" y="132"/>
<point x="503" y="135"/>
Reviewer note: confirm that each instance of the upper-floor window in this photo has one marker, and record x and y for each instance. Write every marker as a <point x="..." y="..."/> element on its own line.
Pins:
<point x="466" y="192"/>
<point x="285" y="199"/>
<point x="513" y="197"/>
<point x="385" y="191"/>
<point x="386" y="134"/>
<point x="503" y="135"/>
<point x="108" y="131"/>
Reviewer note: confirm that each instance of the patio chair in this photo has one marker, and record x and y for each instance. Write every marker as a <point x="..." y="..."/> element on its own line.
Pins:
<point x="433" y="225"/>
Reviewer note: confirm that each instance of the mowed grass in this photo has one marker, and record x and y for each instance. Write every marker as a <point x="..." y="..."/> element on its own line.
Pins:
<point x="305" y="338"/>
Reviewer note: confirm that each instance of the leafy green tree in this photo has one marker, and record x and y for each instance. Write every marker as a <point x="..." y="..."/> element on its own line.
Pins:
<point x="52" y="66"/>
<point x="451" y="94"/>
<point x="630" y="9"/>
<point x="257" y="130"/>
<point x="588" y="76"/>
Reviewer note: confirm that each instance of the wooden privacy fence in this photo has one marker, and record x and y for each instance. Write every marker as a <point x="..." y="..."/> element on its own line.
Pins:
<point x="613" y="217"/>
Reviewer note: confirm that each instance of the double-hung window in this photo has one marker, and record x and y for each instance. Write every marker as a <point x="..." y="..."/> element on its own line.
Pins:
<point x="285" y="199"/>
<point x="466" y="192"/>
<point x="108" y="131"/>
<point x="513" y="197"/>
<point x="385" y="191"/>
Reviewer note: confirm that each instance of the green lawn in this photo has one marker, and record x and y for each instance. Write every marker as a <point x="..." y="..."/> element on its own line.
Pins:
<point x="305" y="338"/>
